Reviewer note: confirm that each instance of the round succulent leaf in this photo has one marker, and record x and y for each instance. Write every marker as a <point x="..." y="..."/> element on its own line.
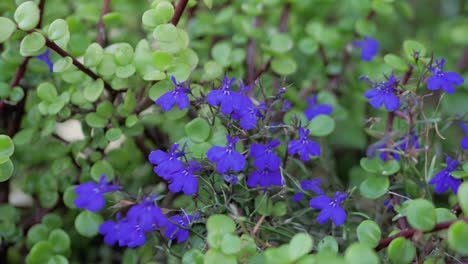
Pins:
<point x="59" y="240"/>
<point x="161" y="14"/>
<point x="308" y="46"/>
<point x="280" y="208"/>
<point x="52" y="221"/>
<point x="192" y="256"/>
<point x="400" y="250"/>
<point x="371" y="165"/>
<point x="69" y="197"/>
<point x="47" y="92"/>
<point x="162" y="60"/>
<point x="102" y="167"/>
<point x="328" y="244"/>
<point x="125" y="71"/>
<point x="107" y="66"/>
<point x="212" y="70"/>
<point x="198" y="130"/>
<point x="278" y="255"/>
<point x="463" y="197"/>
<point x="6" y="170"/>
<point x="395" y="62"/>
<point x="368" y="232"/>
<point x="365" y="27"/>
<point x="321" y="125"/>
<point x="300" y="245"/>
<point x="231" y="244"/>
<point x="58" y="259"/>
<point x="169" y="38"/>
<point x="412" y="46"/>
<point x="374" y="187"/>
<point x="199" y="150"/>
<point x="62" y="64"/>
<point x="32" y="44"/>
<point x="93" y="55"/>
<point x="361" y="254"/>
<point x="93" y="90"/>
<point x="215" y="256"/>
<point x="36" y="233"/>
<point x="458" y="237"/>
<point x="48" y="198"/>
<point x="27" y="15"/>
<point x="444" y="215"/>
<point x="7" y="148"/>
<point x="40" y="253"/>
<point x="284" y="65"/>
<point x="16" y="94"/>
<point x="263" y="205"/>
<point x="154" y="76"/>
<point x="281" y="43"/>
<point x="7" y="27"/>
<point x="221" y="53"/>
<point x="96" y="121"/>
<point x="58" y="30"/>
<point x="113" y="134"/>
<point x="123" y="54"/>
<point x="421" y="214"/>
<point x="87" y="223"/>
<point x="390" y="167"/>
<point x="221" y="224"/>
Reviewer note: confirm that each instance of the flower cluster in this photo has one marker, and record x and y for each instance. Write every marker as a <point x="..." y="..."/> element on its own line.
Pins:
<point x="267" y="164"/>
<point x="91" y="195"/>
<point x="383" y="93"/>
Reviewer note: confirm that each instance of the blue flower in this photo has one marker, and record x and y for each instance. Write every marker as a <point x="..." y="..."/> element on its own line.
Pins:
<point x="226" y="158"/>
<point x="304" y="146"/>
<point x="223" y="96"/>
<point x="248" y="115"/>
<point x="384" y="93"/>
<point x="443" y="80"/>
<point x="407" y="142"/>
<point x="312" y="185"/>
<point x="443" y="180"/>
<point x="45" y="57"/>
<point x="297" y="197"/>
<point x="265" y="178"/>
<point x="177" y="96"/>
<point x="369" y="48"/>
<point x="168" y="163"/>
<point x="230" y="178"/>
<point x="315" y="109"/>
<point x="464" y="142"/>
<point x="265" y="157"/>
<point x="111" y="231"/>
<point x="147" y="215"/>
<point x="177" y="227"/>
<point x="185" y="180"/>
<point x="131" y="233"/>
<point x="91" y="195"/>
<point x="330" y="208"/>
<point x="286" y="106"/>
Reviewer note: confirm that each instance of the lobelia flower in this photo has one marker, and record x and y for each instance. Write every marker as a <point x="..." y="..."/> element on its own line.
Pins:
<point x="131" y="232"/>
<point x="91" y="195"/>
<point x="265" y="157"/>
<point x="226" y="158"/>
<point x="111" y="231"/>
<point x="185" y="180"/>
<point x="383" y="94"/>
<point x="369" y="48"/>
<point x="230" y="178"/>
<point x="286" y="106"/>
<point x="304" y="146"/>
<point x="265" y="178"/>
<point x="45" y="57"/>
<point x="443" y="180"/>
<point x="177" y="96"/>
<point x="224" y="97"/>
<point x="315" y="109"/>
<point x="443" y="80"/>
<point x="297" y="197"/>
<point x="312" y="185"/>
<point x="147" y="215"/>
<point x="407" y="142"/>
<point x="177" y="227"/>
<point x="330" y="208"/>
<point x="464" y="142"/>
<point x="167" y="163"/>
<point x="248" y="115"/>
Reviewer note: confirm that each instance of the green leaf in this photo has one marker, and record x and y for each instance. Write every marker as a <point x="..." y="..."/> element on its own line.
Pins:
<point x="458" y="237"/>
<point x="220" y="224"/>
<point x="62" y="64"/>
<point x="444" y="215"/>
<point x="93" y="55"/>
<point x="361" y="254"/>
<point x="463" y="197"/>
<point x="7" y="147"/>
<point x="300" y="245"/>
<point x="412" y="46"/>
<point x="36" y="233"/>
<point x="16" y="94"/>
<point x="308" y="46"/>
<point x="212" y="70"/>
<point x="374" y="187"/>
<point x="7" y="27"/>
<point x="192" y="256"/>
<point x="368" y="232"/>
<point x="69" y="197"/>
<point x="421" y="214"/>
<point x="113" y="134"/>
<point x="280" y="208"/>
<point x="170" y="39"/>
<point x="6" y="170"/>
<point x="328" y="244"/>
<point x="93" y="91"/>
<point x="58" y="259"/>
<point x="40" y="253"/>
<point x="125" y="71"/>
<point x="47" y="92"/>
<point x="58" y="30"/>
<point x="123" y="54"/>
<point x="32" y="44"/>
<point x="231" y="244"/>
<point x="321" y="125"/>
<point x="263" y="205"/>
<point x="96" y="121"/>
<point x="208" y="3"/>
<point x="100" y="168"/>
<point x="395" y="62"/>
<point x="27" y="15"/>
<point x="154" y="76"/>
<point x="161" y="14"/>
<point x="390" y="167"/>
<point x="401" y="251"/>
<point x="107" y="66"/>
<point x="59" y="240"/>
<point x="4" y="90"/>
<point x="221" y="53"/>
<point x="281" y="43"/>
<point x="87" y="223"/>
<point x="52" y="221"/>
<point x="376" y="165"/>
<point x="198" y="130"/>
<point x="215" y="256"/>
<point x="162" y="60"/>
<point x="364" y="27"/>
<point x="284" y="65"/>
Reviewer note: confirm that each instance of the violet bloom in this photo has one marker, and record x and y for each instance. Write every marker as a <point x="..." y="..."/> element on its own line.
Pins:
<point x="265" y="157"/>
<point x="131" y="233"/>
<point x="369" y="48"/>
<point x="384" y="94"/>
<point x="185" y="180"/>
<point x="265" y="178"/>
<point x="230" y="178"/>
<point x="330" y="208"/>
<point x="147" y="215"/>
<point x="286" y="106"/>
<point x="177" y="227"/>
<point x="304" y="146"/>
<point x="248" y="115"/>
<point x="226" y="158"/>
<point x="315" y="109"/>
<point x="443" y="180"/>
<point x="111" y="231"/>
<point x="297" y="197"/>
<point x="443" y="80"/>
<point x="177" y="96"/>
<point x="224" y="97"/>
<point x="312" y="185"/>
<point x="464" y="142"/>
<point x="167" y="163"/>
<point x="91" y="195"/>
<point x="45" y="57"/>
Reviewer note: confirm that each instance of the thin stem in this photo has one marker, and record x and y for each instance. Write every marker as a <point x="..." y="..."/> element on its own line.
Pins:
<point x="178" y="12"/>
<point x="101" y="31"/>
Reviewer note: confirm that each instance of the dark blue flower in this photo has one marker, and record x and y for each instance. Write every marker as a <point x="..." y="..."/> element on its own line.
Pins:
<point x="312" y="185"/>
<point x="286" y="106"/>
<point x="91" y="195"/>
<point x="131" y="233"/>
<point x="177" y="227"/>
<point x="226" y="158"/>
<point x="443" y="80"/>
<point x="167" y="163"/>
<point x="304" y="146"/>
<point x="248" y="115"/>
<point x="384" y="94"/>
<point x="230" y="178"/>
<point x="297" y="197"/>
<point x="224" y="97"/>
<point x="443" y="180"/>
<point x="265" y="178"/>
<point x="265" y="157"/>
<point x="369" y="48"/>
<point x="45" y="57"/>
<point x="330" y="208"/>
<point x="185" y="180"/>
<point x="464" y="142"/>
<point x="177" y="96"/>
<point x="315" y="109"/>
<point x="147" y="215"/>
<point x="111" y="231"/>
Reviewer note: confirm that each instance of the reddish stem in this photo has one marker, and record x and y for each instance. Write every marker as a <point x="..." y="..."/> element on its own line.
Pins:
<point x="101" y="31"/>
<point x="178" y="12"/>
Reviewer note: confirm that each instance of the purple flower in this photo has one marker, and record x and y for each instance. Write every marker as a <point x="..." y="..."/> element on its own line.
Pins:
<point x="223" y="96"/>
<point x="443" y="80"/>
<point x="407" y="142"/>
<point x="330" y="208"/>
<point x="464" y="142"/>
<point x="185" y="180"/>
<point x="286" y="106"/>
<point x="304" y="146"/>
<point x="312" y="185"/>
<point x="226" y="158"/>
<point x="369" y="48"/>
<point x="147" y="215"/>
<point x="315" y="109"/>
<point x="248" y="115"/>
<point x="111" y="231"/>
<point x="168" y="163"/>
<point x="297" y="197"/>
<point x="265" y="157"/>
<point x="384" y="93"/>
<point x="131" y="233"/>
<point x="443" y="180"/>
<point x="91" y="195"/>
<point x="177" y="227"/>
<point x="45" y="57"/>
<point x="265" y="178"/>
<point x="230" y="178"/>
<point x="177" y="96"/>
